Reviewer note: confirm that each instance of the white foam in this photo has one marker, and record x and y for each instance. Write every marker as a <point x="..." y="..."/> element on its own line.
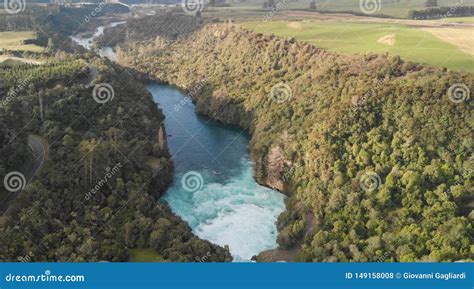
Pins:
<point x="240" y="214"/>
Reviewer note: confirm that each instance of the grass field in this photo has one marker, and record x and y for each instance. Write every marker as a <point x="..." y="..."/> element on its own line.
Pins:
<point x="460" y="37"/>
<point x="145" y="255"/>
<point x="13" y="40"/>
<point x="461" y="19"/>
<point x="412" y="44"/>
<point x="14" y="61"/>
<point x="398" y="9"/>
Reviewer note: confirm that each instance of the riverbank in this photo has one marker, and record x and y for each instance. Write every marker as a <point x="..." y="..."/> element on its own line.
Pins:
<point x="213" y="188"/>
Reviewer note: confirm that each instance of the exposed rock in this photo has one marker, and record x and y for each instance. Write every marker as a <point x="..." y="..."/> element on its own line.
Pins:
<point x="162" y="142"/>
<point x="276" y="161"/>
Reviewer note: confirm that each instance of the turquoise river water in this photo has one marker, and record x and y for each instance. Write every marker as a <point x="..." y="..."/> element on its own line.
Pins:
<point x="213" y="187"/>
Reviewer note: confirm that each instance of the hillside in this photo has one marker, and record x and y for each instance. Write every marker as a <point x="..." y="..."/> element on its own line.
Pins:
<point x="374" y="152"/>
<point x="165" y="24"/>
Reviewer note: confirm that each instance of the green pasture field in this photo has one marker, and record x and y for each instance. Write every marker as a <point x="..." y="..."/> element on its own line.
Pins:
<point x="413" y="44"/>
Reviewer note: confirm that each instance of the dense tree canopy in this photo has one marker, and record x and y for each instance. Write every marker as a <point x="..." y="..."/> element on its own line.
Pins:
<point x="376" y="158"/>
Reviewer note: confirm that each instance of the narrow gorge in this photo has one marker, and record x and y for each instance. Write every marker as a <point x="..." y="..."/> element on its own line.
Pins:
<point x="213" y="188"/>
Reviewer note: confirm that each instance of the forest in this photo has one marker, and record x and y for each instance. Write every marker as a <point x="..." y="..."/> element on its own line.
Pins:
<point x="442" y="12"/>
<point x="170" y="25"/>
<point x="50" y="18"/>
<point x="94" y="199"/>
<point x="373" y="152"/>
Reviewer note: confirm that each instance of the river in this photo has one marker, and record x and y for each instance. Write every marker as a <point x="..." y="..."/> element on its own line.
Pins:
<point x="213" y="188"/>
<point x="87" y="41"/>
